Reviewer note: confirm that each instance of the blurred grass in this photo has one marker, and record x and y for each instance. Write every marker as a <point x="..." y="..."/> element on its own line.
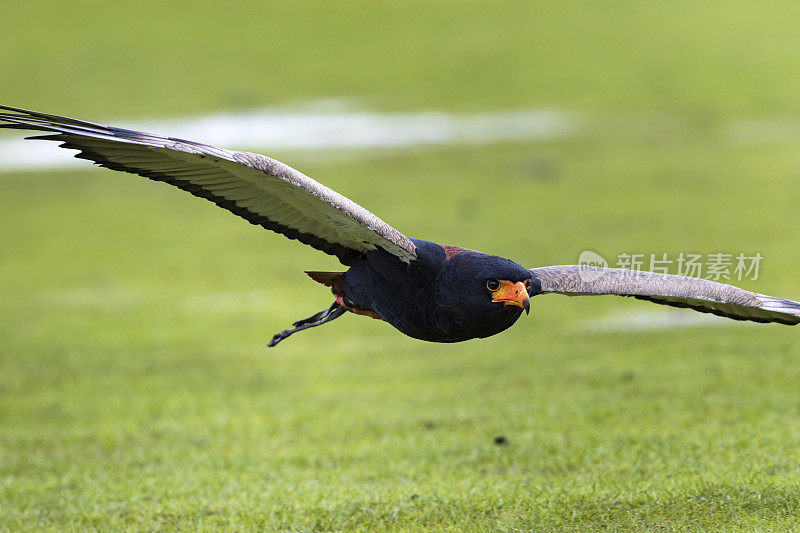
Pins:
<point x="136" y="391"/>
<point x="154" y="57"/>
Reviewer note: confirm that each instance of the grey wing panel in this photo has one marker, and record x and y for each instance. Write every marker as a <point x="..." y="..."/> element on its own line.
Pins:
<point x="257" y="188"/>
<point x="678" y="291"/>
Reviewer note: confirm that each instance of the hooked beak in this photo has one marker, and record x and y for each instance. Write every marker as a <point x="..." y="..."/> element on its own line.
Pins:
<point x="513" y="294"/>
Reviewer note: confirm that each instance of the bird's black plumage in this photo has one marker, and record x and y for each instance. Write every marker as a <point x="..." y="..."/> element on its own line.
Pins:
<point x="426" y="290"/>
<point x="440" y="297"/>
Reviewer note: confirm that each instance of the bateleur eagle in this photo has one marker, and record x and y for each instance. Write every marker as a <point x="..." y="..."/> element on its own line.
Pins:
<point x="426" y="290"/>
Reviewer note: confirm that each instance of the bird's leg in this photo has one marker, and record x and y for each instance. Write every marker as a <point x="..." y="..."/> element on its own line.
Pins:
<point x="317" y="319"/>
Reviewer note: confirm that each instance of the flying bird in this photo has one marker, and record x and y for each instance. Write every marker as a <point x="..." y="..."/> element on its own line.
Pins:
<point x="428" y="291"/>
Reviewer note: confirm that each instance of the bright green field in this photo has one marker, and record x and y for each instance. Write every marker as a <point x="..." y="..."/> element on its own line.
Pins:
<point x="135" y="387"/>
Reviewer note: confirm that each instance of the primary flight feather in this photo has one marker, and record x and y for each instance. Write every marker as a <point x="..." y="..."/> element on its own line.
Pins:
<point x="428" y="291"/>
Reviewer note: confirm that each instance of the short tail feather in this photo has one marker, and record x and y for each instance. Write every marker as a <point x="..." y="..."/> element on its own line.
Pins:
<point x="329" y="279"/>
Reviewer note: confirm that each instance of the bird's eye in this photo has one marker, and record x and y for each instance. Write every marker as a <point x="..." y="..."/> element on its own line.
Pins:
<point x="492" y="285"/>
<point x="528" y="283"/>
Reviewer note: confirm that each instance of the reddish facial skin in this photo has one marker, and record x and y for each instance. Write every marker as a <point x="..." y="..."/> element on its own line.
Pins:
<point x="512" y="294"/>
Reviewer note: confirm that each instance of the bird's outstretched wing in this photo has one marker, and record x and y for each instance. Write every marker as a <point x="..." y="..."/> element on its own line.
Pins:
<point x="678" y="291"/>
<point x="261" y="190"/>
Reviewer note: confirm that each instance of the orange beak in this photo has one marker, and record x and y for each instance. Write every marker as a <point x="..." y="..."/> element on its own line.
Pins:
<point x="513" y="294"/>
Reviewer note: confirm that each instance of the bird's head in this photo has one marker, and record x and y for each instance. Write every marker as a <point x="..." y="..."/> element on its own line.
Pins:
<point x="484" y="292"/>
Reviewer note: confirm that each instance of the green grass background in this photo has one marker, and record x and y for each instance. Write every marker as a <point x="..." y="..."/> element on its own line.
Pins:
<point x="135" y="387"/>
